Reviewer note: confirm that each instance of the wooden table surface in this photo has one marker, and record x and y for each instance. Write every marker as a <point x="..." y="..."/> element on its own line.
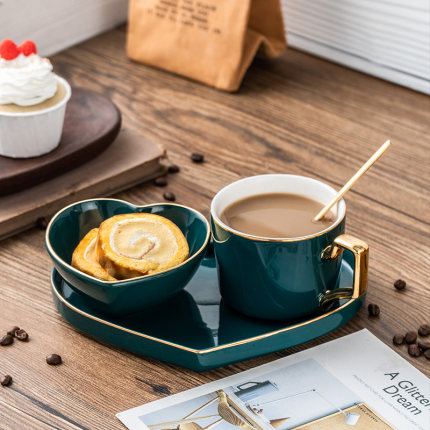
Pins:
<point x="299" y="115"/>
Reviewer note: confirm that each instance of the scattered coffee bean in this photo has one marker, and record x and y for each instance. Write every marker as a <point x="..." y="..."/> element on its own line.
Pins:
<point x="42" y="222"/>
<point x="173" y="169"/>
<point x="6" y="380"/>
<point x="398" y="339"/>
<point x="424" y="330"/>
<point x="12" y="330"/>
<point x="411" y="337"/>
<point x="400" y="284"/>
<point x="53" y="359"/>
<point x="414" y="350"/>
<point x="5" y="340"/>
<point x="424" y="345"/>
<point x="373" y="309"/>
<point x="427" y="354"/>
<point x="169" y="196"/>
<point x="21" y="335"/>
<point x="160" y="182"/>
<point x="197" y="158"/>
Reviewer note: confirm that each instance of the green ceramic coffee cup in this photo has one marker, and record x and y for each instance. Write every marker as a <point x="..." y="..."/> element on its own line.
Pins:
<point x="71" y="224"/>
<point x="284" y="278"/>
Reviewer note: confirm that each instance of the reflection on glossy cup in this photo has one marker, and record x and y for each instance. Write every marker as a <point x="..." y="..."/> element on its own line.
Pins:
<point x="283" y="278"/>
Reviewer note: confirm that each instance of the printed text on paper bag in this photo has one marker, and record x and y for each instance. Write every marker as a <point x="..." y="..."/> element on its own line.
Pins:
<point x="190" y="13"/>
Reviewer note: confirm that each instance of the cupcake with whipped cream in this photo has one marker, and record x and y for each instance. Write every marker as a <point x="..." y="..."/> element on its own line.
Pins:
<point x="32" y="102"/>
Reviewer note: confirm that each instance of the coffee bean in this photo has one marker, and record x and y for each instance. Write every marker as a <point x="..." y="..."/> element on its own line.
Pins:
<point x="398" y="339"/>
<point x="168" y="195"/>
<point x="6" y="380"/>
<point x="427" y="354"/>
<point x="12" y="330"/>
<point x="173" y="169"/>
<point x="53" y="359"/>
<point x="414" y="350"/>
<point x="400" y="284"/>
<point x="160" y="182"/>
<point x="42" y="222"/>
<point x="197" y="158"/>
<point x="373" y="309"/>
<point x="5" y="340"/>
<point x="411" y="337"/>
<point x="21" y="335"/>
<point x="424" y="345"/>
<point x="424" y="330"/>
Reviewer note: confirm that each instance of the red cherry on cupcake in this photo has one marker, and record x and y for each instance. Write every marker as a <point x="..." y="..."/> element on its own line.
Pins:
<point x="8" y="50"/>
<point x="27" y="48"/>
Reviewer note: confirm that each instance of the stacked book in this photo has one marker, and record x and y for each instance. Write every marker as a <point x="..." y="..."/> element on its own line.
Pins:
<point x="389" y="39"/>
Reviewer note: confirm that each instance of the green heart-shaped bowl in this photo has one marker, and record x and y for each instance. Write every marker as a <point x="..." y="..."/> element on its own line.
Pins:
<point x="71" y="224"/>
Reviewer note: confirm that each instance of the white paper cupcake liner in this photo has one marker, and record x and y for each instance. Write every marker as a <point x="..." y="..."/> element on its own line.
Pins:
<point x="30" y="134"/>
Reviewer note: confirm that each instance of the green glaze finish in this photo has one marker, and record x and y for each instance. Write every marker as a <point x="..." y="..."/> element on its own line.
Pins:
<point x="72" y="223"/>
<point x="195" y="329"/>
<point x="292" y="273"/>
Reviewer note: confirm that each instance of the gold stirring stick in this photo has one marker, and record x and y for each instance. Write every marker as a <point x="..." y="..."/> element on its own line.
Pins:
<point x="353" y="180"/>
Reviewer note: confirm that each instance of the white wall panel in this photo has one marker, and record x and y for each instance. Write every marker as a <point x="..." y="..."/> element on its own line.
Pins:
<point x="389" y="39"/>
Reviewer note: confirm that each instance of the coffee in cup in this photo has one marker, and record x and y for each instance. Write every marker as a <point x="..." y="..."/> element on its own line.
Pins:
<point x="276" y="215"/>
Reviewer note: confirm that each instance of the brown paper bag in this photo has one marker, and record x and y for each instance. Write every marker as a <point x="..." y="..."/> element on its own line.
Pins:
<point x="212" y="41"/>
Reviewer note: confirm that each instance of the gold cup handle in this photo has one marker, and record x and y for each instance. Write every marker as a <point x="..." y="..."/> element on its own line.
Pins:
<point x="360" y="250"/>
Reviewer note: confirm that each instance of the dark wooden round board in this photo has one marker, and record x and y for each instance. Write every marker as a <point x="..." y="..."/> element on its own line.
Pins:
<point x="91" y="124"/>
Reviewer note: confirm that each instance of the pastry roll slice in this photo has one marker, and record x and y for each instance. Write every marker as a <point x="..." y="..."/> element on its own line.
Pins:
<point x="132" y="245"/>
<point x="85" y="259"/>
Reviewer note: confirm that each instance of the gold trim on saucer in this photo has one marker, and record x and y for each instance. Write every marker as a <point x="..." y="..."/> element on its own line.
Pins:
<point x="196" y="351"/>
<point x="92" y="278"/>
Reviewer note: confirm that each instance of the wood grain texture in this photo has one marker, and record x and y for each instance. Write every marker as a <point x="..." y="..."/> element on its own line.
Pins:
<point x="298" y="115"/>
<point x="91" y="124"/>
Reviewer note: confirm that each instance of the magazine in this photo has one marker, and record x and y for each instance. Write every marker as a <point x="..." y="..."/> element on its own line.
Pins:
<point x="352" y="382"/>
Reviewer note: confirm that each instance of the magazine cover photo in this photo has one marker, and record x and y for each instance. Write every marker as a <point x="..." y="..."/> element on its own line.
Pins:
<point x="300" y="396"/>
